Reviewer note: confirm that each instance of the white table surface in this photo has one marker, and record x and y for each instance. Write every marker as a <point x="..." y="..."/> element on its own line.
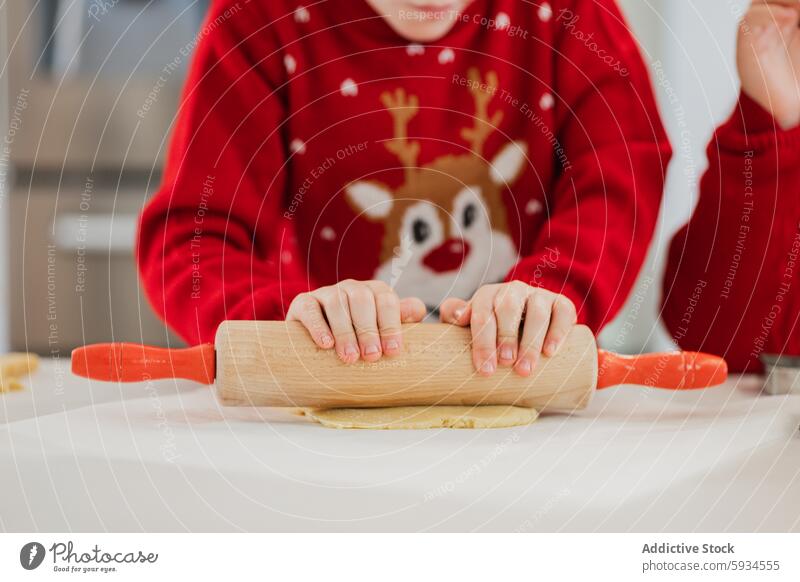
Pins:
<point x="88" y="456"/>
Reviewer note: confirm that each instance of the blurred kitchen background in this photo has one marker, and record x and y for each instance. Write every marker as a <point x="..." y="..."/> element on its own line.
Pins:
<point x="87" y="113"/>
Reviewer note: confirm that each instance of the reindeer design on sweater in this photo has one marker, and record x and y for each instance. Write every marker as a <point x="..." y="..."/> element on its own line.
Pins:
<point x="446" y="230"/>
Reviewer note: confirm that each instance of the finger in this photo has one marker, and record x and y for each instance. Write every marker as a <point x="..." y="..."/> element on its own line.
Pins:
<point x="509" y="303"/>
<point x="787" y="19"/>
<point x="484" y="332"/>
<point x="770" y="36"/>
<point x="412" y="310"/>
<point x="562" y="319"/>
<point x="537" y="320"/>
<point x="763" y="14"/>
<point x="452" y="310"/>
<point x="787" y="3"/>
<point x="777" y="16"/>
<point x="387" y="305"/>
<point x="784" y="17"/>
<point x="337" y="311"/>
<point x="307" y="310"/>
<point x="364" y="314"/>
<point x="758" y="5"/>
<point x="464" y="316"/>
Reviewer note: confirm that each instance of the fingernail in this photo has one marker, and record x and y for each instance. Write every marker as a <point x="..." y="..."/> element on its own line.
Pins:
<point x="525" y="366"/>
<point x="371" y="349"/>
<point x="552" y="348"/>
<point x="506" y="354"/>
<point x="458" y="313"/>
<point x="350" y="350"/>
<point x="392" y="345"/>
<point x="326" y="340"/>
<point x="487" y="367"/>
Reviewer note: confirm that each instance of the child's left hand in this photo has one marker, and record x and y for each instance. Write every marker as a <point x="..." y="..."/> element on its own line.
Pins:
<point x="496" y="312"/>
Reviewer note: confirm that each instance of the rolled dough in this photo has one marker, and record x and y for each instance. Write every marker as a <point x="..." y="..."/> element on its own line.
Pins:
<point x="420" y="417"/>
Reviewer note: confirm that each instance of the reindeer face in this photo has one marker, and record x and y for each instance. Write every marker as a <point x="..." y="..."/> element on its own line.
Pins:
<point x="446" y="231"/>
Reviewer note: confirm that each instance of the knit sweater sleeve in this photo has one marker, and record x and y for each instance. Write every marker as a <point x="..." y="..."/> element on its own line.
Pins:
<point x="209" y="239"/>
<point x="732" y="270"/>
<point x="606" y="198"/>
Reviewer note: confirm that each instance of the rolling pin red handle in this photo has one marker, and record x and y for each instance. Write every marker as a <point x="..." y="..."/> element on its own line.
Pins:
<point x="670" y="370"/>
<point x="122" y="362"/>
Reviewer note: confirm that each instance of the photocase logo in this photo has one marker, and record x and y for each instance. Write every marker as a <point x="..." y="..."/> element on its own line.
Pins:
<point x="31" y="555"/>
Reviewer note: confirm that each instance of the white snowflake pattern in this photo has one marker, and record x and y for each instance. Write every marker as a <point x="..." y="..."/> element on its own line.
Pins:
<point x="446" y="56"/>
<point x="415" y="49"/>
<point x="545" y="12"/>
<point x="327" y="233"/>
<point x="533" y="207"/>
<point x="547" y="102"/>
<point x="298" y="146"/>
<point x="502" y="21"/>
<point x="286" y="257"/>
<point x="348" y="88"/>
<point x="290" y="63"/>
<point x="301" y="14"/>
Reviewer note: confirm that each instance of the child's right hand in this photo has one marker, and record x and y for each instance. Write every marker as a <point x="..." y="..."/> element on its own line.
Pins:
<point x="358" y="318"/>
<point x="768" y="58"/>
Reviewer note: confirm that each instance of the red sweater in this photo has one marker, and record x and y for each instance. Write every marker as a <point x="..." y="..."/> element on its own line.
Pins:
<point x="314" y="144"/>
<point x="731" y="285"/>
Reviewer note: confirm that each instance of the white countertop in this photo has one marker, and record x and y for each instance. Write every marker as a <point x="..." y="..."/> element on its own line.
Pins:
<point x="77" y="455"/>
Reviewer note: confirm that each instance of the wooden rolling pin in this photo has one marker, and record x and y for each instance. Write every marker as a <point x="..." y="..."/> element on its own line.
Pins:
<point x="269" y="363"/>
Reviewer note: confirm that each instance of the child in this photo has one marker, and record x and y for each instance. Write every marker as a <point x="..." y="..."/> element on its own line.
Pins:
<point x="500" y="161"/>
<point x="732" y="279"/>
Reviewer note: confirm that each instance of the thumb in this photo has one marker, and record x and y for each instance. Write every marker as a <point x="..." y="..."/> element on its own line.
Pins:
<point x="454" y="310"/>
<point x="412" y="310"/>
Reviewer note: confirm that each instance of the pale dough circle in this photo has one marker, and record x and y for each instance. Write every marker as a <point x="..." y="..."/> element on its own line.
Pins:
<point x="421" y="417"/>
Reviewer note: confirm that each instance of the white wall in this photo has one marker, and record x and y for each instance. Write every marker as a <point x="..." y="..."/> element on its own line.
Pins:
<point x="693" y="43"/>
<point x="5" y="187"/>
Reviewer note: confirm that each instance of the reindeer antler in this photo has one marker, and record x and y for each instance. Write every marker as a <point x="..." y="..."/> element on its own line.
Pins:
<point x="482" y="93"/>
<point x="402" y="108"/>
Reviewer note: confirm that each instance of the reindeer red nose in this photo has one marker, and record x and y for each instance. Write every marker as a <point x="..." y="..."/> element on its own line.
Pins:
<point x="448" y="256"/>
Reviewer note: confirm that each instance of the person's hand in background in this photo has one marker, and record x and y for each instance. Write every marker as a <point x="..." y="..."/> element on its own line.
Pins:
<point x="361" y="319"/>
<point x="497" y="313"/>
<point x="768" y="58"/>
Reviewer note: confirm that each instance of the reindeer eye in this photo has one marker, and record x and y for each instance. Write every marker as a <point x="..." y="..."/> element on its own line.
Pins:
<point x="469" y="215"/>
<point x="421" y="230"/>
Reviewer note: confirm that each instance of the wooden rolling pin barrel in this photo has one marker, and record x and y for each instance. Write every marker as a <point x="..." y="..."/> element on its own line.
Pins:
<point x="269" y="363"/>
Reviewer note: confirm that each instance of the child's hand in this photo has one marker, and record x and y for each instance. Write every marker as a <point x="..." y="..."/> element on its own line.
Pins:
<point x="496" y="313"/>
<point x="769" y="58"/>
<point x="357" y="317"/>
